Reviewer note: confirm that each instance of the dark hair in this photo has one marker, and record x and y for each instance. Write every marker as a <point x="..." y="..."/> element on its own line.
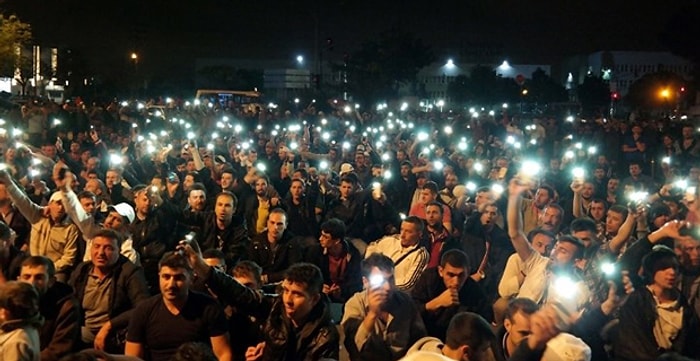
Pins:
<point x="455" y="258"/>
<point x="550" y="190"/>
<point x="335" y="227"/>
<point x="20" y="299"/>
<point x="138" y="189"/>
<point x="470" y="329"/>
<point x="580" y="247"/>
<point x="304" y="173"/>
<point x="197" y="187"/>
<point x="483" y="190"/>
<point x="520" y="304"/>
<point x="583" y="224"/>
<point x="418" y="222"/>
<point x="660" y="258"/>
<point x="557" y="207"/>
<point x="431" y="186"/>
<point x="230" y="195"/>
<point x="620" y="210"/>
<point x="87" y="194"/>
<point x="538" y="230"/>
<point x="307" y="274"/>
<point x="37" y="261"/>
<point x="248" y="268"/>
<point x="299" y="180"/>
<point x="347" y="179"/>
<point x="174" y="260"/>
<point x="382" y="262"/>
<point x="435" y="204"/>
<point x="111" y="234"/>
<point x="230" y="171"/>
<point x="214" y="253"/>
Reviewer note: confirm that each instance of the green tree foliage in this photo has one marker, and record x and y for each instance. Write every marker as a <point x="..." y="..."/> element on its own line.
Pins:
<point x="645" y="93"/>
<point x="381" y="65"/>
<point x="14" y="35"/>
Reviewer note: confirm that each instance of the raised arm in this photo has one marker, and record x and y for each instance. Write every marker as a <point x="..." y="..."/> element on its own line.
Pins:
<point x="515" y="220"/>
<point x="623" y="234"/>
<point x="30" y="210"/>
<point x="84" y="221"/>
<point x="577" y="210"/>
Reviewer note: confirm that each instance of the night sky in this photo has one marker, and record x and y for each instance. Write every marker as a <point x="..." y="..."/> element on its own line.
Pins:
<point x="169" y="35"/>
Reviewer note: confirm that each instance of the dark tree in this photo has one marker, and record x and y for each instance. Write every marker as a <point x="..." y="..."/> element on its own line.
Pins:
<point x="660" y="90"/>
<point x="381" y="65"/>
<point x="594" y="94"/>
<point x="543" y="89"/>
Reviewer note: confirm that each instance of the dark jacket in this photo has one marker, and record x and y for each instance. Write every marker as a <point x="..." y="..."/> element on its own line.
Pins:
<point x="128" y="289"/>
<point x="474" y="239"/>
<point x="364" y="217"/>
<point x="318" y="338"/>
<point x="634" y="339"/>
<point x="60" y="332"/>
<point x="402" y="332"/>
<point x="302" y="218"/>
<point x="152" y="237"/>
<point x="275" y="262"/>
<point x="430" y="285"/>
<point x="351" y="280"/>
<point x="233" y="240"/>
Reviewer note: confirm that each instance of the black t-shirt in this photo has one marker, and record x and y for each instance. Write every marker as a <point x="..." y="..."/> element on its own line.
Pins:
<point x="161" y="333"/>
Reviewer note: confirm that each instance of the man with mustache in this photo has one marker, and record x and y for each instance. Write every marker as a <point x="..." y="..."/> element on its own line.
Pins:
<point x="108" y="287"/>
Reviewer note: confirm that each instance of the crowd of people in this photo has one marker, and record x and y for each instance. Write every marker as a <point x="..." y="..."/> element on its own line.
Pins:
<point x="202" y="232"/>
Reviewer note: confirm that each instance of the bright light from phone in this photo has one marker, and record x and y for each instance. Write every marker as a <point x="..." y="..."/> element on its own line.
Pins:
<point x="115" y="159"/>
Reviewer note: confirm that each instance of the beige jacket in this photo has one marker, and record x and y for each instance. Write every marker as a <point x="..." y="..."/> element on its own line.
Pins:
<point x="56" y="241"/>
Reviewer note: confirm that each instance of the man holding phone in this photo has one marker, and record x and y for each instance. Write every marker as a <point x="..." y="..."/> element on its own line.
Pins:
<point x="381" y="322"/>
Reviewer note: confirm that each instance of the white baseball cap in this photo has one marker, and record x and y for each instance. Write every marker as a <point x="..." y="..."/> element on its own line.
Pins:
<point x="124" y="210"/>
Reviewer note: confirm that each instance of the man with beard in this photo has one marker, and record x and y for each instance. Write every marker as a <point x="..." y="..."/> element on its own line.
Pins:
<point x="108" y="287"/>
<point x="612" y="194"/>
<point x="60" y="333"/>
<point x="196" y="198"/>
<point x="439" y="239"/>
<point x="381" y="322"/>
<point x="258" y="206"/>
<point x="583" y="196"/>
<point x="162" y="323"/>
<point x="275" y="249"/>
<point x="551" y="217"/>
<point x="221" y="229"/>
<point x="535" y="209"/>
<point x="542" y="273"/>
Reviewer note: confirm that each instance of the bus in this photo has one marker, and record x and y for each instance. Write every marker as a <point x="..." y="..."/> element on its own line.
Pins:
<point x="247" y="100"/>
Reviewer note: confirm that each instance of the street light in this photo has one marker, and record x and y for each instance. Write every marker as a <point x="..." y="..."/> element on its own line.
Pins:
<point x="300" y="59"/>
